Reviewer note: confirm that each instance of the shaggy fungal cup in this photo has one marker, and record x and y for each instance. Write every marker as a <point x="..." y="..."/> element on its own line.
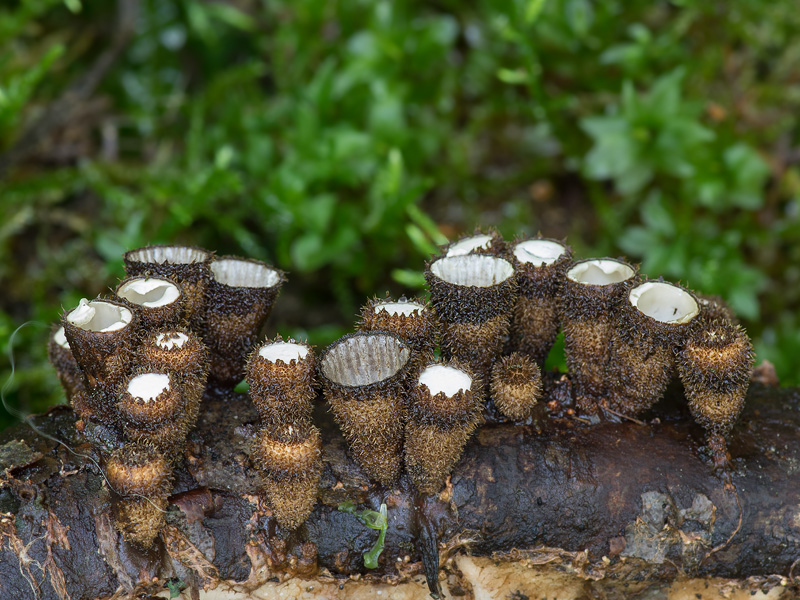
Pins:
<point x="651" y="325"/>
<point x="289" y="459"/>
<point x="540" y="266"/>
<point x="186" y="265"/>
<point x="239" y="298"/>
<point x="281" y="376"/>
<point x="590" y="295"/>
<point x="473" y="296"/>
<point x="101" y="335"/>
<point x="365" y="377"/>
<point x="445" y="410"/>
<point x="141" y="479"/>
<point x="179" y="352"/>
<point x="714" y="366"/>
<point x="516" y="385"/>
<point x="411" y="319"/>
<point x="152" y="409"/>
<point x="157" y="302"/>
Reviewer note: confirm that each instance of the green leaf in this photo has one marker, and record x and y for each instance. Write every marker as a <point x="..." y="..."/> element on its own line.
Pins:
<point x="533" y="9"/>
<point x="413" y="280"/>
<point x="513" y="76"/>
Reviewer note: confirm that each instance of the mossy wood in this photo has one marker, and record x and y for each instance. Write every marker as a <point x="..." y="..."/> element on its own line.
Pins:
<point x="617" y="506"/>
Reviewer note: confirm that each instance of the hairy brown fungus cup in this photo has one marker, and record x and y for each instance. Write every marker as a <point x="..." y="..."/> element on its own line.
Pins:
<point x="102" y="335"/>
<point x="540" y="266"/>
<point x="516" y="385"/>
<point x="714" y="366"/>
<point x="412" y="320"/>
<point x="651" y="324"/>
<point x="239" y="299"/>
<point x="153" y="409"/>
<point x="157" y="302"/>
<point x="141" y="479"/>
<point x="289" y="459"/>
<point x="591" y="292"/>
<point x="365" y="381"/>
<point x="281" y="375"/>
<point x="179" y="352"/>
<point x="445" y="409"/>
<point x="69" y="373"/>
<point x="185" y="265"/>
<point x="473" y="296"/>
<point x="490" y="242"/>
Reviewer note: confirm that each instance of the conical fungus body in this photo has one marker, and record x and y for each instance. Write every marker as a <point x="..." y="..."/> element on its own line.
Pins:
<point x="281" y="376"/>
<point x="590" y="295"/>
<point x="412" y="320"/>
<point x="289" y="459"/>
<point x="516" y="385"/>
<point x="714" y="366"/>
<point x="365" y="380"/>
<point x="651" y="325"/>
<point x="141" y="479"/>
<point x="473" y="296"/>
<point x="157" y="302"/>
<point x="540" y="265"/>
<point x="446" y="404"/>
<point x="102" y="335"/>
<point x="179" y="352"/>
<point x="186" y="265"/>
<point x="238" y="301"/>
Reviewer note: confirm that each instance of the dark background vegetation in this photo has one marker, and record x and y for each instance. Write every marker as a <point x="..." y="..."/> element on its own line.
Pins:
<point x="342" y="140"/>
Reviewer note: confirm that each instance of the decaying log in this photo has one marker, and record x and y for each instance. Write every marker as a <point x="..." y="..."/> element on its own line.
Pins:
<point x="551" y="508"/>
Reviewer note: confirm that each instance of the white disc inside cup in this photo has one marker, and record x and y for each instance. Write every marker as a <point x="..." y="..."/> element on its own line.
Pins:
<point x="602" y="271"/>
<point x="448" y="380"/>
<point x="664" y="302"/>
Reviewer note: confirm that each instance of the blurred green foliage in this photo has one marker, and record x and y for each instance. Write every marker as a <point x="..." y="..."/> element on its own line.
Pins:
<point x="341" y="140"/>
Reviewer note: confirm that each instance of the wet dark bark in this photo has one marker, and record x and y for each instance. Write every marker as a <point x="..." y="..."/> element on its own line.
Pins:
<point x="616" y="501"/>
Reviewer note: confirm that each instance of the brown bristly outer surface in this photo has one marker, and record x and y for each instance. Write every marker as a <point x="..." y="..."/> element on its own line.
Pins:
<point x="152" y="317"/>
<point x="282" y="392"/>
<point x="713" y="308"/>
<point x="69" y="373"/>
<point x="105" y="358"/>
<point x="139" y="469"/>
<point x="642" y="360"/>
<point x="140" y="520"/>
<point x="714" y="365"/>
<point x="292" y="499"/>
<point x="168" y="407"/>
<point x="469" y="303"/>
<point x="516" y="385"/>
<point x="189" y="365"/>
<point x="288" y="450"/>
<point x="497" y="246"/>
<point x="587" y="318"/>
<point x="371" y="416"/>
<point x="418" y="329"/>
<point x="373" y="428"/>
<point x="431" y="452"/>
<point x="475" y="345"/>
<point x="234" y="317"/>
<point x="536" y="319"/>
<point x="444" y="411"/>
<point x="193" y="277"/>
<point x="646" y="510"/>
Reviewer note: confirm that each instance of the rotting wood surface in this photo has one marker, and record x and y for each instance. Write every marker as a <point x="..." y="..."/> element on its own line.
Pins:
<point x="613" y="510"/>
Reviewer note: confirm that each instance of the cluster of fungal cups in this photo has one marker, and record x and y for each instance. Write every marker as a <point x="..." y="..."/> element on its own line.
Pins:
<point x="407" y="388"/>
<point x="135" y="365"/>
